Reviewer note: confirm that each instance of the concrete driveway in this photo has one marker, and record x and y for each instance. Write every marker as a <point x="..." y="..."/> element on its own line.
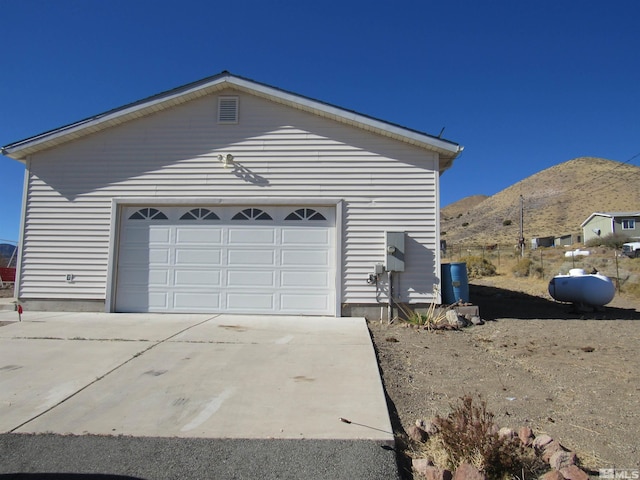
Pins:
<point x="144" y="377"/>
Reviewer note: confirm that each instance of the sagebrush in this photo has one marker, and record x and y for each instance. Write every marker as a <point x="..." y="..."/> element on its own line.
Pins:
<point x="478" y="267"/>
<point x="469" y="434"/>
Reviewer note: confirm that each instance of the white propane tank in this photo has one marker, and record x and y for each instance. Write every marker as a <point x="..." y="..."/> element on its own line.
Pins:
<point x="577" y="287"/>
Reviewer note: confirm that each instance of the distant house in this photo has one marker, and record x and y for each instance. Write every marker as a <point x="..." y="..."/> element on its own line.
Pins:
<point x="567" y="240"/>
<point x="601" y="224"/>
<point x="537" y="242"/>
<point x="230" y="196"/>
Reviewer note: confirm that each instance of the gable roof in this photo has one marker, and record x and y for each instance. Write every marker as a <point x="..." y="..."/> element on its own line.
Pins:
<point x="447" y="150"/>
<point x="610" y="215"/>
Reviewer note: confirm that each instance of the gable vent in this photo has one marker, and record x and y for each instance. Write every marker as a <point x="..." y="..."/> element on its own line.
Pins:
<point x="228" y="110"/>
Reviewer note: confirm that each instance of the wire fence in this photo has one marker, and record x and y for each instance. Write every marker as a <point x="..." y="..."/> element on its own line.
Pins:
<point x="493" y="253"/>
<point x="542" y="262"/>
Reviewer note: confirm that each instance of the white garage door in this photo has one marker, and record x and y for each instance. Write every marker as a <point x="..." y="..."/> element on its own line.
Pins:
<point x="227" y="259"/>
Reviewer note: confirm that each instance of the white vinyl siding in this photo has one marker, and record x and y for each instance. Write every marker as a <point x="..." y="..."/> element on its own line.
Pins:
<point x="278" y="152"/>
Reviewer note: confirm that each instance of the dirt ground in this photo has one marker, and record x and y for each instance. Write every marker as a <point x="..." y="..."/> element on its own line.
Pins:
<point x="6" y="291"/>
<point x="574" y="376"/>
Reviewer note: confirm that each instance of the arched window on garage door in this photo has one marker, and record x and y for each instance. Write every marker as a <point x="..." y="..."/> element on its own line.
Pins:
<point x="200" y="214"/>
<point x="305" y="214"/>
<point x="252" y="214"/>
<point x="148" y="214"/>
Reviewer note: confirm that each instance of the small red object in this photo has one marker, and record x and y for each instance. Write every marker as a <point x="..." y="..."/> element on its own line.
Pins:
<point x="19" y="309"/>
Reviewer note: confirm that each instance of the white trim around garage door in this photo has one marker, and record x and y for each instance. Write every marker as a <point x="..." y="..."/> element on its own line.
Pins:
<point x="122" y="229"/>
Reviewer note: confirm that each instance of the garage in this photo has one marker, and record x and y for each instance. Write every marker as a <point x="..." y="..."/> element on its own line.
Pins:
<point x="231" y="259"/>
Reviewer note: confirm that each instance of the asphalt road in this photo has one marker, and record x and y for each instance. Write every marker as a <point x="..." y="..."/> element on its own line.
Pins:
<point x="91" y="457"/>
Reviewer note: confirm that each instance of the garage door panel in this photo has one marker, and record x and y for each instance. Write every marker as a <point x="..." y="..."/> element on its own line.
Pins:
<point x="305" y="279"/>
<point x="196" y="302"/>
<point x="250" y="301"/>
<point x="156" y="256"/>
<point x="251" y="257"/>
<point x="311" y="302"/>
<point x="199" y="235"/>
<point x="252" y="236"/>
<point x="303" y="258"/>
<point x="305" y="236"/>
<point x="198" y="256"/>
<point x="159" y="277"/>
<point x="251" y="278"/>
<point x="158" y="301"/>
<point x="159" y="234"/>
<point x="197" y="278"/>
<point x="143" y="234"/>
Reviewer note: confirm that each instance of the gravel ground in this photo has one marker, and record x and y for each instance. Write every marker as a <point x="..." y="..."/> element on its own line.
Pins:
<point x="575" y="376"/>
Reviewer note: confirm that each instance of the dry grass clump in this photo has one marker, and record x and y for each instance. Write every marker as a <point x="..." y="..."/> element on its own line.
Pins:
<point x="632" y="289"/>
<point x="433" y="316"/>
<point x="522" y="267"/>
<point x="469" y="434"/>
<point x="478" y="267"/>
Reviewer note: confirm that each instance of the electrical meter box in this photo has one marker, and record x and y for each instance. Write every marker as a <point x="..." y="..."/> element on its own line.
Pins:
<point x="394" y="248"/>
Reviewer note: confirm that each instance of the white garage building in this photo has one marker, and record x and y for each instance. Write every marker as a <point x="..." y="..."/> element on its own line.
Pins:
<point x="227" y="195"/>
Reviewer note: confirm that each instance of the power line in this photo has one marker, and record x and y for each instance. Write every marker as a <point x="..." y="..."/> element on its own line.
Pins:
<point x="592" y="179"/>
<point x="607" y="172"/>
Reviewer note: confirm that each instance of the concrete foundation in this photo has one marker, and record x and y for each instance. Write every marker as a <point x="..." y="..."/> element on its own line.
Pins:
<point x="372" y="312"/>
<point x="61" y="305"/>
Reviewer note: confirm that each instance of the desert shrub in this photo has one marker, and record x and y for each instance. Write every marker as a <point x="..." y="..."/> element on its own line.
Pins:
<point x="478" y="267"/>
<point x="506" y="223"/>
<point x="465" y="224"/>
<point x="522" y="268"/>
<point x="632" y="289"/>
<point x="537" y="271"/>
<point x="429" y="318"/>
<point x="612" y="240"/>
<point x="469" y="434"/>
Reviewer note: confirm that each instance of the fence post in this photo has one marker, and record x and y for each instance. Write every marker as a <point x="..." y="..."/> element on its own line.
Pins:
<point x="615" y="253"/>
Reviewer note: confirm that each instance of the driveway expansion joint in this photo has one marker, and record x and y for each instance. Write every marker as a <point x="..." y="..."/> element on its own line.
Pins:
<point x="101" y="377"/>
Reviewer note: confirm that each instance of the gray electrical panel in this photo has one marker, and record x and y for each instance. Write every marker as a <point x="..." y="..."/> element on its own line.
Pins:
<point x="394" y="248"/>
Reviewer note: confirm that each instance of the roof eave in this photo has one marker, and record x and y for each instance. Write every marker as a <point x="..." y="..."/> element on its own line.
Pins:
<point x="610" y="215"/>
<point x="447" y="150"/>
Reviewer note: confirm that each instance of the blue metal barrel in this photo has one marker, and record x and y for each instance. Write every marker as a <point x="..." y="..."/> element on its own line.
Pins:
<point x="454" y="283"/>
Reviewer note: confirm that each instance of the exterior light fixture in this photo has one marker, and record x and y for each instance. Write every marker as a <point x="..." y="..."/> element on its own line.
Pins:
<point x="226" y="159"/>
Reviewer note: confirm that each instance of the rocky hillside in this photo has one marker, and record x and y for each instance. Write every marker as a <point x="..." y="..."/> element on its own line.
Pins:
<point x="556" y="201"/>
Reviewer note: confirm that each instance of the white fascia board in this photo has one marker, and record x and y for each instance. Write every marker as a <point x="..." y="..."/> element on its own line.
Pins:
<point x="595" y="214"/>
<point x="347" y="116"/>
<point x="19" y="150"/>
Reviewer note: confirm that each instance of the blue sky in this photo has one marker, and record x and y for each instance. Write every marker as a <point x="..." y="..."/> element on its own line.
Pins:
<point x="523" y="85"/>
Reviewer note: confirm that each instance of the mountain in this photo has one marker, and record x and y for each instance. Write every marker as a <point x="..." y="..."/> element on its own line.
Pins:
<point x="462" y="206"/>
<point x="556" y="201"/>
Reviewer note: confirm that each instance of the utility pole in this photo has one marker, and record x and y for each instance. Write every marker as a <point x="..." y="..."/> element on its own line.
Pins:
<point x="521" y="239"/>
